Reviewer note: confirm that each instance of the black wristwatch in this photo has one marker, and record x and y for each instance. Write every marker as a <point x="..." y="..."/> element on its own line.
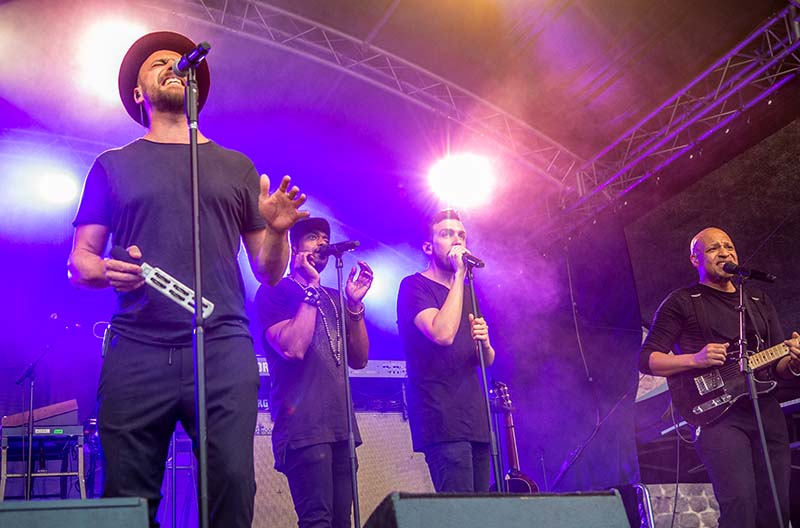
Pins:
<point x="311" y="296"/>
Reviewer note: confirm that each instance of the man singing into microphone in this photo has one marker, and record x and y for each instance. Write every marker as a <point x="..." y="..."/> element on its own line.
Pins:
<point x="139" y="196"/>
<point x="439" y="334"/>
<point x="701" y="325"/>
<point x="302" y="339"/>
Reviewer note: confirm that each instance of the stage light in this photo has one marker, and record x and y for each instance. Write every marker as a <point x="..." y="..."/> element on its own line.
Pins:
<point x="462" y="180"/>
<point x="379" y="290"/>
<point x="100" y="53"/>
<point x="38" y="187"/>
<point x="56" y="187"/>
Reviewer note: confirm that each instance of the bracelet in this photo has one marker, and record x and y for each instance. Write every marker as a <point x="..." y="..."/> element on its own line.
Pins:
<point x="789" y="366"/>
<point x="311" y="296"/>
<point x="355" y="316"/>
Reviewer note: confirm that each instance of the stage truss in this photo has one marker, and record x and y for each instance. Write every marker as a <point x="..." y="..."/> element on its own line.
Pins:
<point x="745" y="76"/>
<point x="543" y="156"/>
<point x="748" y="74"/>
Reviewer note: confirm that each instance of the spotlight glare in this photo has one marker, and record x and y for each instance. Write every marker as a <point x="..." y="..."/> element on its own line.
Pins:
<point x="100" y="53"/>
<point x="57" y="187"/>
<point x="463" y="180"/>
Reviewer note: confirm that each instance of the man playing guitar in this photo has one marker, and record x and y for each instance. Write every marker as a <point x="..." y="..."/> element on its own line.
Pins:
<point x="700" y="324"/>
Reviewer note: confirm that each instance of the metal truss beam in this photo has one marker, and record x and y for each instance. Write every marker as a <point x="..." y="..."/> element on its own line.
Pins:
<point x="755" y="68"/>
<point x="31" y="145"/>
<point x="258" y="20"/>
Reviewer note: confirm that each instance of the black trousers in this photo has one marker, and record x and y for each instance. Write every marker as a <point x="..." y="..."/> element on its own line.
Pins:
<point x="321" y="485"/>
<point x="459" y="466"/>
<point x="144" y="390"/>
<point x="731" y="451"/>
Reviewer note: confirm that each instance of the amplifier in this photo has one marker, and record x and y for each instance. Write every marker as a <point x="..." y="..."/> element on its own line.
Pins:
<point x="379" y="387"/>
<point x="376" y="368"/>
<point x="386" y="463"/>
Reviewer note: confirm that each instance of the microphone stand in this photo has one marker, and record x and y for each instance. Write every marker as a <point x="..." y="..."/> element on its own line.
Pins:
<point x="198" y="333"/>
<point x="488" y="407"/>
<point x="744" y="367"/>
<point x="351" y="439"/>
<point x="30" y="374"/>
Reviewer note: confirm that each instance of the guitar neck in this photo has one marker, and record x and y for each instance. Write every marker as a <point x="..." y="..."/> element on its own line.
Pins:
<point x="770" y="355"/>
<point x="511" y="442"/>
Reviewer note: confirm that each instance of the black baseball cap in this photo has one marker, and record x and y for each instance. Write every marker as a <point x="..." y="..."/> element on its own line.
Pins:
<point x="307" y="225"/>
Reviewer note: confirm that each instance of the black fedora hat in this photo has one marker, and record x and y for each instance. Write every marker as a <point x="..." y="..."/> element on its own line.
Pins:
<point x="138" y="53"/>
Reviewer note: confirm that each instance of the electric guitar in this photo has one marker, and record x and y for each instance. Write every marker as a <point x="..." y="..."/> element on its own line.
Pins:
<point x="704" y="395"/>
<point x="516" y="480"/>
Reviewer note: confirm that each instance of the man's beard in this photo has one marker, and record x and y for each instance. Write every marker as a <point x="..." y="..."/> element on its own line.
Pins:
<point x="444" y="263"/>
<point x="319" y="263"/>
<point x="168" y="101"/>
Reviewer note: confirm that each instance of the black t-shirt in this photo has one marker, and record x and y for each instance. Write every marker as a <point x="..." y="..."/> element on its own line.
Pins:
<point x="445" y="400"/>
<point x="675" y="326"/>
<point x="142" y="193"/>
<point x="306" y="397"/>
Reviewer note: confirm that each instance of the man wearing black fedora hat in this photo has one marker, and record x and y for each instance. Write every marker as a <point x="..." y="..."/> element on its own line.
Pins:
<point x="138" y="196"/>
<point x="302" y="340"/>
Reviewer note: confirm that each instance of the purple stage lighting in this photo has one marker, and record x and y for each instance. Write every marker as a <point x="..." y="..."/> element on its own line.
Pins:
<point x="100" y="53"/>
<point x="56" y="187"/>
<point x="462" y="180"/>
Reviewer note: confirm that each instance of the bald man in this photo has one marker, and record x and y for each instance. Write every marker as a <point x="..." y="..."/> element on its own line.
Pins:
<point x="700" y="325"/>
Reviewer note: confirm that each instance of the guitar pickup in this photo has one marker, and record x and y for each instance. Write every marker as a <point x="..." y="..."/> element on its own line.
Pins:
<point x="709" y="382"/>
<point x="711" y="404"/>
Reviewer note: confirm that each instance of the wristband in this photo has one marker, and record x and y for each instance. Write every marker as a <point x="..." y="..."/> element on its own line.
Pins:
<point x="311" y="296"/>
<point x="355" y="316"/>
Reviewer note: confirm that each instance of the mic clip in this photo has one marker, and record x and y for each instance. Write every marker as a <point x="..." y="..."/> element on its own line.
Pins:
<point x="191" y="60"/>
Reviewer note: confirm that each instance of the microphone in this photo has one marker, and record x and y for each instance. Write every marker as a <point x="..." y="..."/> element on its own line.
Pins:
<point x="339" y="248"/>
<point x="747" y="273"/>
<point x="472" y="260"/>
<point x="191" y="59"/>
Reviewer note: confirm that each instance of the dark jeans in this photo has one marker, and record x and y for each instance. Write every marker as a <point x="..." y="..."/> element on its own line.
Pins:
<point x="459" y="466"/>
<point x="144" y="390"/>
<point x="319" y="479"/>
<point x="731" y="452"/>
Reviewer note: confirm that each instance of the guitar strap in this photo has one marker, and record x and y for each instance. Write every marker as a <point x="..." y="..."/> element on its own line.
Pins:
<point x="752" y="306"/>
<point x="700" y="312"/>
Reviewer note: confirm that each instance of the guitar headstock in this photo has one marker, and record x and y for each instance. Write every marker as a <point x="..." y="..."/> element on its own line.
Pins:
<point x="503" y="397"/>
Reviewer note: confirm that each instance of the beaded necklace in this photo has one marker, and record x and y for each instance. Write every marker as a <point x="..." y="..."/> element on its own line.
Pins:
<point x="335" y="344"/>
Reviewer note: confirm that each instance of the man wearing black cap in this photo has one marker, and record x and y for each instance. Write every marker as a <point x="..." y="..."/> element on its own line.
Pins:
<point x="139" y="197"/>
<point x="302" y="340"/>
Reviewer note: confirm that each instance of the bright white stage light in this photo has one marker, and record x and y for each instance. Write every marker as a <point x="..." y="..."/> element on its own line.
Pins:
<point x="100" y="53"/>
<point x="462" y="180"/>
<point x="56" y="187"/>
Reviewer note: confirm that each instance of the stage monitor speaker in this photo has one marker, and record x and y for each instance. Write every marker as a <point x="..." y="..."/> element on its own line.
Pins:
<point x="92" y="513"/>
<point x="572" y="510"/>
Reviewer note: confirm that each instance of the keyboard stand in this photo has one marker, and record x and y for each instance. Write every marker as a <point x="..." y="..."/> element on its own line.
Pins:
<point x="63" y="434"/>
